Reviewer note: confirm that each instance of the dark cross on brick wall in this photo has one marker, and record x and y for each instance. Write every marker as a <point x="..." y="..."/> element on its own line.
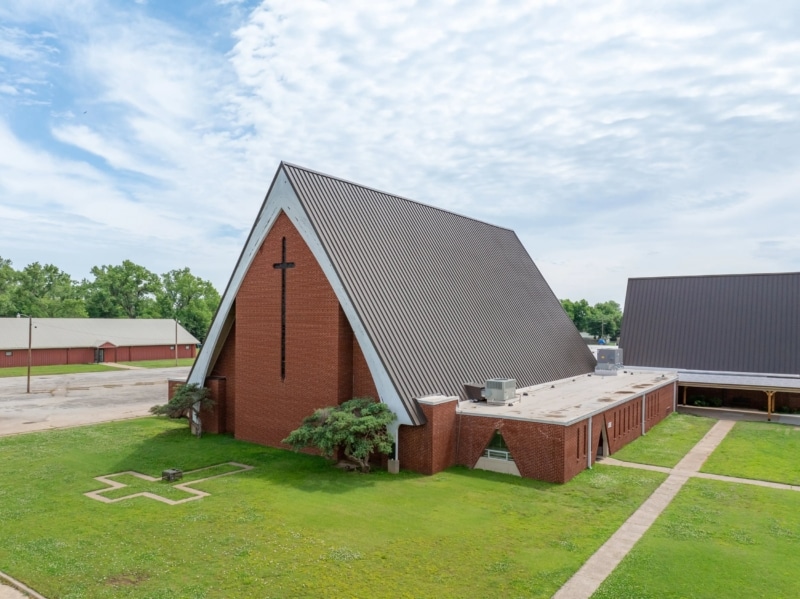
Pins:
<point x="283" y="265"/>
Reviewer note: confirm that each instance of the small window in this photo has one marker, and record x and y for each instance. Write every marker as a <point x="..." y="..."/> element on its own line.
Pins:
<point x="185" y="347"/>
<point x="172" y="347"/>
<point x="9" y="353"/>
<point x="497" y="448"/>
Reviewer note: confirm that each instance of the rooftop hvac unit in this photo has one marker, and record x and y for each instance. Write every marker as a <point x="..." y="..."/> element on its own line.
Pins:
<point x="610" y="355"/>
<point x="499" y="391"/>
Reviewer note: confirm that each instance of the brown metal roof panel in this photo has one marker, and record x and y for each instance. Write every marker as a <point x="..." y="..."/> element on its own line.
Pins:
<point x="440" y="294"/>
<point x="731" y="323"/>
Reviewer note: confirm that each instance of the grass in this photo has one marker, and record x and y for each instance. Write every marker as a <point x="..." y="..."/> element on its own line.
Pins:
<point x="667" y="442"/>
<point x="55" y="369"/>
<point x="160" y="363"/>
<point x="292" y="527"/>
<point x="759" y="450"/>
<point x="716" y="539"/>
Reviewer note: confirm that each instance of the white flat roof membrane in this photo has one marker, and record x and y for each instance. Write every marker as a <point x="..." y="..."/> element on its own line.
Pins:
<point x="573" y="399"/>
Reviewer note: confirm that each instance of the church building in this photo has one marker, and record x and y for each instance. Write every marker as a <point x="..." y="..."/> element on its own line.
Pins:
<point x="343" y="291"/>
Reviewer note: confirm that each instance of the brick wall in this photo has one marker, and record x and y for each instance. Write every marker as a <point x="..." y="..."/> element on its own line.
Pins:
<point x="363" y="383"/>
<point x="267" y="406"/>
<point x="431" y="447"/>
<point x="225" y="367"/>
<point x="659" y="405"/>
<point x="556" y="453"/>
<point x="214" y="419"/>
<point x="537" y="448"/>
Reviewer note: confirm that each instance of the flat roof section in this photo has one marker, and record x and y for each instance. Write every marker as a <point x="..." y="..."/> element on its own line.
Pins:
<point x="570" y="400"/>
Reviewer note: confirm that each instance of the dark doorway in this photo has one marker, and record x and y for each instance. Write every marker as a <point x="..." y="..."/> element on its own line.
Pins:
<point x="602" y="444"/>
<point x="99" y="355"/>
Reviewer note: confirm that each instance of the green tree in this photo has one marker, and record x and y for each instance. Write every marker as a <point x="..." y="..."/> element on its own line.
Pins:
<point x="189" y="299"/>
<point x="605" y="320"/>
<point x="124" y="291"/>
<point x="8" y="281"/>
<point x="47" y="292"/>
<point x="358" y="427"/>
<point x="579" y="312"/>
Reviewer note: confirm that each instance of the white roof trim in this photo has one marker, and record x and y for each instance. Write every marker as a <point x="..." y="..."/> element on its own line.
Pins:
<point x="282" y="197"/>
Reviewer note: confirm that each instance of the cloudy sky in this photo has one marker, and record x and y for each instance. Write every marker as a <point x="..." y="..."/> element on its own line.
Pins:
<point x="617" y="138"/>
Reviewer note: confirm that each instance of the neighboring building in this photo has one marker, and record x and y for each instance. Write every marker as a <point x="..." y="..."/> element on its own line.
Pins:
<point x="735" y="339"/>
<point x="87" y="340"/>
<point x="344" y="291"/>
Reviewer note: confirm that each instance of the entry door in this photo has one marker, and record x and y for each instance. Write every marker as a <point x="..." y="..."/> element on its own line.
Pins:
<point x="99" y="355"/>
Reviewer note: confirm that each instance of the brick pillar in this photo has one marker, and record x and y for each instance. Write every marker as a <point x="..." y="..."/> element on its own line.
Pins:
<point x="214" y="419"/>
<point x="430" y="448"/>
<point x="172" y="387"/>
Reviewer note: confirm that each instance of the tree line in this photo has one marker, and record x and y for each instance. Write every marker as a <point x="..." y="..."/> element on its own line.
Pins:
<point x="126" y="290"/>
<point x="601" y="320"/>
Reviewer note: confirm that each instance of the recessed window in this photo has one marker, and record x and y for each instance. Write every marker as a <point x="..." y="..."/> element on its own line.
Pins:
<point x="185" y="347"/>
<point x="497" y="449"/>
<point x="9" y="353"/>
<point x="172" y="347"/>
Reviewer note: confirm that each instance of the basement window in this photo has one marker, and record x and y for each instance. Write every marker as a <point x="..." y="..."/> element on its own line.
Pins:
<point x="497" y="449"/>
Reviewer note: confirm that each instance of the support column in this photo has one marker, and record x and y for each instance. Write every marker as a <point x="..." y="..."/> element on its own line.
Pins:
<point x="770" y="404"/>
<point x="684" y="396"/>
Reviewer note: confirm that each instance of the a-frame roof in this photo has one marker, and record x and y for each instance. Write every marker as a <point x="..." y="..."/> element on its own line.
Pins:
<point x="723" y="323"/>
<point x="440" y="299"/>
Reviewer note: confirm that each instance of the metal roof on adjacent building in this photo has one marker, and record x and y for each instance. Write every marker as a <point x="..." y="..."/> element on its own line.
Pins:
<point x="52" y="333"/>
<point x="443" y="299"/>
<point x="720" y="323"/>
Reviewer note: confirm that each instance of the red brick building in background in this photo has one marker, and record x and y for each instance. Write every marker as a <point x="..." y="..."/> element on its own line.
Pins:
<point x="91" y="340"/>
<point x="343" y="291"/>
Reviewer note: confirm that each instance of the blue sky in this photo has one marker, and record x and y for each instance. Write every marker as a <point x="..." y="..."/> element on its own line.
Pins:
<point x="618" y="139"/>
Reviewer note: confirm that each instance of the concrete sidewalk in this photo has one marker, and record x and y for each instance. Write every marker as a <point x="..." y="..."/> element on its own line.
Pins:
<point x="598" y="567"/>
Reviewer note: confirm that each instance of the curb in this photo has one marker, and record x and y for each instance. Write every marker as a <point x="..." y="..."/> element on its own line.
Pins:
<point x="22" y="588"/>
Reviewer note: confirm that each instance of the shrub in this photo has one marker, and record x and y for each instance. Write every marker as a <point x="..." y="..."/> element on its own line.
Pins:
<point x="188" y="400"/>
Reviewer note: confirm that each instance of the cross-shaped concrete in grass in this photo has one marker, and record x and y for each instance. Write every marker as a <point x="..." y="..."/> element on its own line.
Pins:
<point x="108" y="479"/>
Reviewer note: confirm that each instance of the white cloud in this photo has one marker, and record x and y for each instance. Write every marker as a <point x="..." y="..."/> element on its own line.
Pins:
<point x="616" y="140"/>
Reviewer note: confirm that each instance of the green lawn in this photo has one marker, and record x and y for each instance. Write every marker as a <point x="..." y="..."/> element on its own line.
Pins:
<point x="667" y="442"/>
<point x="57" y="369"/>
<point x="760" y="450"/>
<point x="292" y="527"/>
<point x="160" y="363"/>
<point x="716" y="539"/>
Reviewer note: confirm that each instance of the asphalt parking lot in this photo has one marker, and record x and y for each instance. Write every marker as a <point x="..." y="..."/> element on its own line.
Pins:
<point x="63" y="400"/>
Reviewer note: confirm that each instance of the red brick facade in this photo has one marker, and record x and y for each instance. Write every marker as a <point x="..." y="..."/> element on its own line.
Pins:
<point x="430" y="448"/>
<point x="549" y="452"/>
<point x="87" y="355"/>
<point x="323" y="363"/>
<point x="325" y="366"/>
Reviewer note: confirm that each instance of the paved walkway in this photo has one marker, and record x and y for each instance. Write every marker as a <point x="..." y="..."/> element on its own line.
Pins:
<point x="63" y="400"/>
<point x="598" y="567"/>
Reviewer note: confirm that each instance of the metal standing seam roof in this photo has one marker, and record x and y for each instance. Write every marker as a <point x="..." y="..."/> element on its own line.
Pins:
<point x="445" y="299"/>
<point x="52" y="333"/>
<point x="722" y="323"/>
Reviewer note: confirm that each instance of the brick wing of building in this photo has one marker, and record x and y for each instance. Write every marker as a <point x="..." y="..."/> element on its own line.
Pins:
<point x="734" y="339"/>
<point x="344" y="291"/>
<point x="87" y="340"/>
